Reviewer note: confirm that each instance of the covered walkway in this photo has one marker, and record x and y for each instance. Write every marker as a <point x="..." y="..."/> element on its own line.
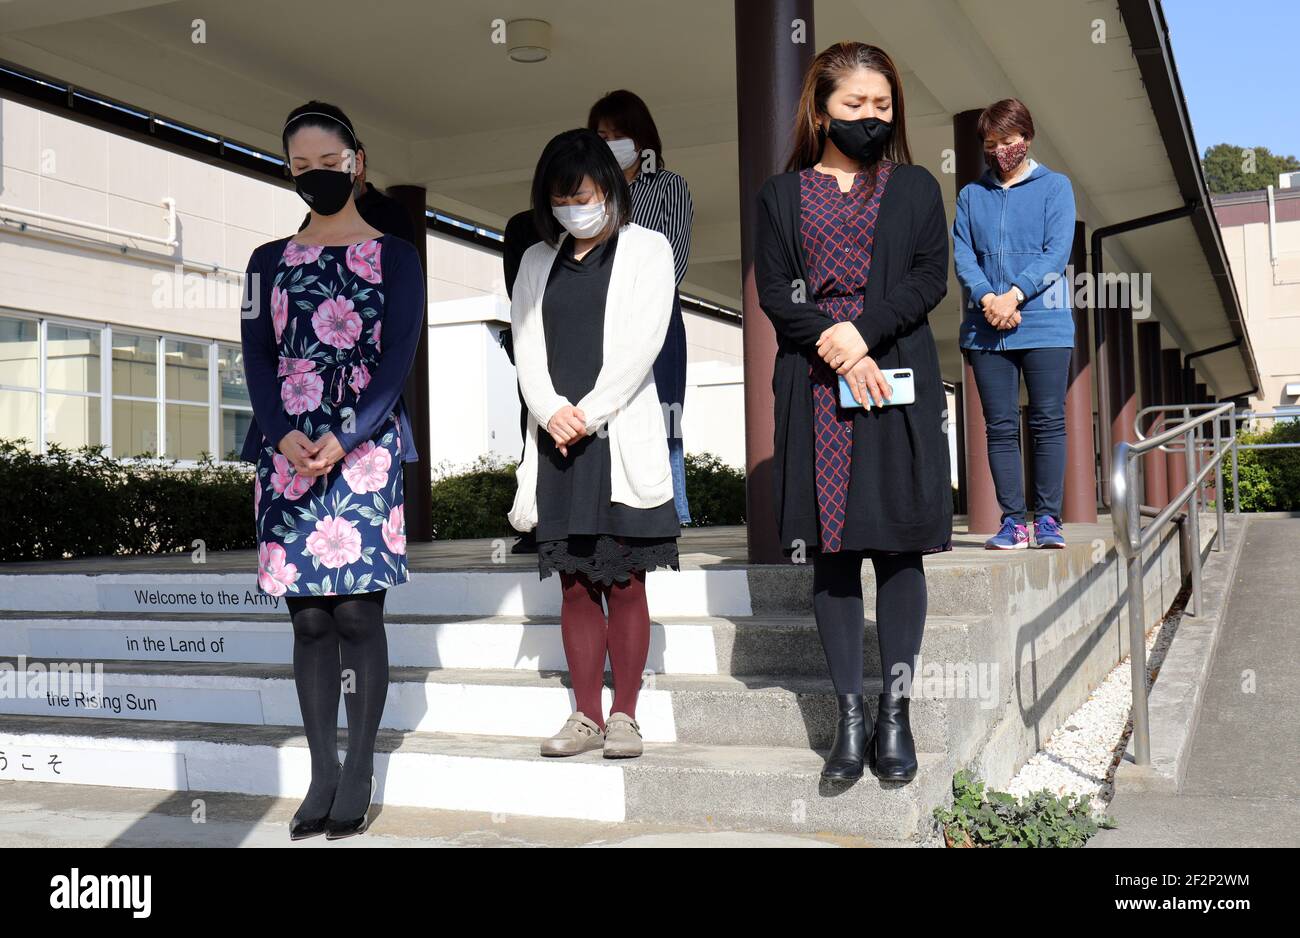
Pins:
<point x="455" y="125"/>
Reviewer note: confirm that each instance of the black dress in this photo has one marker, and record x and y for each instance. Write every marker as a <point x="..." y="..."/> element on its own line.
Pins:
<point x="579" y="529"/>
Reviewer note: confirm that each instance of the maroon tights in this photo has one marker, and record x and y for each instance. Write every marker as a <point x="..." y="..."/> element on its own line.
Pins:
<point x="588" y="636"/>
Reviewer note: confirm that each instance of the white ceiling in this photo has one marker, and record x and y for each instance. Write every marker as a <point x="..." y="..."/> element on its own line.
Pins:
<point x="439" y="104"/>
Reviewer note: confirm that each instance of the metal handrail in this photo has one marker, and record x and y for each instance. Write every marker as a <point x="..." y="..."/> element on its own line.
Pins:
<point x="1235" y="418"/>
<point x="1127" y="510"/>
<point x="1131" y="538"/>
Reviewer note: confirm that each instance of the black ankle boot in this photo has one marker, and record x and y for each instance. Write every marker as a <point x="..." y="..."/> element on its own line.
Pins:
<point x="893" y="749"/>
<point x="848" y="752"/>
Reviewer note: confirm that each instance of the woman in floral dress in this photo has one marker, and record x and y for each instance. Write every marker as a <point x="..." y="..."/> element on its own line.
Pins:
<point x="330" y="325"/>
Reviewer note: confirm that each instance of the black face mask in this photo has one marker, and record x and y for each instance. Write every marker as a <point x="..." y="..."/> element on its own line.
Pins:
<point x="325" y="190"/>
<point x="863" y="140"/>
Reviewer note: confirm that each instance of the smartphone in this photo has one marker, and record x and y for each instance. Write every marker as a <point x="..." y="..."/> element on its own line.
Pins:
<point x="899" y="379"/>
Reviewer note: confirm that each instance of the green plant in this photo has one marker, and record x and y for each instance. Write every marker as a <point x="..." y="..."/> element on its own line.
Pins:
<point x="1267" y="479"/>
<point x="715" y="491"/>
<point x="474" y="502"/>
<point x="81" y="503"/>
<point x="980" y="818"/>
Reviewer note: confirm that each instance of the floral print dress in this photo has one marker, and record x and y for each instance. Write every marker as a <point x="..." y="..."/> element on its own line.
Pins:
<point x="343" y="532"/>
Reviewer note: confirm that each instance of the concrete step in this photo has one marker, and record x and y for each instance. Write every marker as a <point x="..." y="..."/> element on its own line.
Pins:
<point x="958" y="585"/>
<point x="778" y="711"/>
<point x="92" y="816"/>
<point x="731" y="787"/>
<point x="735" y="645"/>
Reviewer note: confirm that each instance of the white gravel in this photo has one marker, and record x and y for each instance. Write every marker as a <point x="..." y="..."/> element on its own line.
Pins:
<point x="1081" y="756"/>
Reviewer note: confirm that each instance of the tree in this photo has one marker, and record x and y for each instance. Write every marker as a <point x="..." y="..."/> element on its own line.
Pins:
<point x="1231" y="168"/>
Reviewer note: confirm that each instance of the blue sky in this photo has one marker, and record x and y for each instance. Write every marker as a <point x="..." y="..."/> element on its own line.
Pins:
<point x="1239" y="64"/>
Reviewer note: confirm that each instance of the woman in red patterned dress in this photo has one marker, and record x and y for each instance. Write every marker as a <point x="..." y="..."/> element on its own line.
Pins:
<point x="850" y="257"/>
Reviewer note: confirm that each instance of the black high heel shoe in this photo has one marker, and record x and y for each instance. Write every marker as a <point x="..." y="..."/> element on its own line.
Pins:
<point x="848" y="752"/>
<point x="894" y="751"/>
<point x="337" y="830"/>
<point x="302" y="828"/>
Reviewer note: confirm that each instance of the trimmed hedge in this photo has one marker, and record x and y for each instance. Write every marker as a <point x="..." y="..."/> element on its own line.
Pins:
<point x="473" y="502"/>
<point x="1269" y="479"/>
<point x="80" y="503"/>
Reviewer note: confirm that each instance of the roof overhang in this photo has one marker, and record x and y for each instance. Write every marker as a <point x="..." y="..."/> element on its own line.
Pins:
<point x="439" y="104"/>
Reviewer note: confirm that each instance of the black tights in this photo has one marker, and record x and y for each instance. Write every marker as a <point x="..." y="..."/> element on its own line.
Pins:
<point x="900" y="616"/>
<point x="339" y="646"/>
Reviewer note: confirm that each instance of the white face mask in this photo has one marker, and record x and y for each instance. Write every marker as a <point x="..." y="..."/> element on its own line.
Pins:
<point x="625" y="151"/>
<point x="581" y="221"/>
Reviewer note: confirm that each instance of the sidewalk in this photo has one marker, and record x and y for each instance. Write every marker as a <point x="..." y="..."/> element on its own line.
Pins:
<point x="1242" y="787"/>
<point x="33" y="814"/>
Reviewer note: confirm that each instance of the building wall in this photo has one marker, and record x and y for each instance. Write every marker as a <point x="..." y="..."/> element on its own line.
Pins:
<point x="85" y="325"/>
<point x="1270" y="295"/>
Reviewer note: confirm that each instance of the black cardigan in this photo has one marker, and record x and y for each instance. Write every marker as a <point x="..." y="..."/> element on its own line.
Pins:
<point x="900" y="489"/>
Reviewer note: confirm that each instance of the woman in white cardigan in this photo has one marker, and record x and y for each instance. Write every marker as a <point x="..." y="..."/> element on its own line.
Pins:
<point x="589" y="314"/>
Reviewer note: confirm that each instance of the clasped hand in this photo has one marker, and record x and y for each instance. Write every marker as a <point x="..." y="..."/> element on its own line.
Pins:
<point x="843" y="349"/>
<point x="841" y="346"/>
<point x="567" y="426"/>
<point x="1001" y="311"/>
<point x="311" y="458"/>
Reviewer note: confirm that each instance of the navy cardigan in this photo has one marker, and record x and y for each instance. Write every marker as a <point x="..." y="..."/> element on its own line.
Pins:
<point x="403" y="289"/>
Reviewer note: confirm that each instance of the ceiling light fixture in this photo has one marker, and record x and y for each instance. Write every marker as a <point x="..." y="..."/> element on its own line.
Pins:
<point x="528" y="40"/>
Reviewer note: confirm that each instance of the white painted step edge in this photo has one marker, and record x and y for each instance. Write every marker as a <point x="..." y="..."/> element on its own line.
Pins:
<point x="677" y="648"/>
<point x="504" y="592"/>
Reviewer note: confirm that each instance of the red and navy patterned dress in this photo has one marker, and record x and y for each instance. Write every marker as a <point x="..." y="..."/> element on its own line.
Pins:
<point x="838" y="229"/>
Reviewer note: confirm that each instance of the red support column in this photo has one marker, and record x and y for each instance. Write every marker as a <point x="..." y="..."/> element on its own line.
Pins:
<point x="770" y="66"/>
<point x="1123" y="394"/>
<point x="1172" y="372"/>
<point x="1154" y="470"/>
<point x="983" y="514"/>
<point x="960" y="404"/>
<point x="1080" y="502"/>
<point x="417" y="476"/>
<point x="1119" y="397"/>
<point x="1205" y="433"/>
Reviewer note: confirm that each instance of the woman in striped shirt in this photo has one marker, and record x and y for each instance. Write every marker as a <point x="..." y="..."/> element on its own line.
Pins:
<point x="661" y="201"/>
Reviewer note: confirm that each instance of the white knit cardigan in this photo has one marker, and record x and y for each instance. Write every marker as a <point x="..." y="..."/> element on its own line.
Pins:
<point x="624" y="401"/>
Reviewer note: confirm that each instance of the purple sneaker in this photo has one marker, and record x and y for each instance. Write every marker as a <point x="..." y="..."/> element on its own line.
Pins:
<point x="1047" y="533"/>
<point x="1013" y="536"/>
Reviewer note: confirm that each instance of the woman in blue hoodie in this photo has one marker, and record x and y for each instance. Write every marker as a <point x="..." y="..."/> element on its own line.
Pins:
<point x="1011" y="244"/>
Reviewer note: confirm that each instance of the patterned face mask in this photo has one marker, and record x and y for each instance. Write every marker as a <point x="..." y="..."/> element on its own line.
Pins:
<point x="1006" y="158"/>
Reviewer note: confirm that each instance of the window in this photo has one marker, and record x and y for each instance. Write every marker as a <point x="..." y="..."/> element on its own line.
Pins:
<point x="20" y="381"/>
<point x="72" y="385"/>
<point x="76" y="384"/>
<point x="236" y="406"/>
<point x="135" y="395"/>
<point x="186" y="403"/>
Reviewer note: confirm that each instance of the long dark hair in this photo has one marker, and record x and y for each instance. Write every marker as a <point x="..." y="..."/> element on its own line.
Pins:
<point x="630" y="117"/>
<point x="823" y="77"/>
<point x="566" y="159"/>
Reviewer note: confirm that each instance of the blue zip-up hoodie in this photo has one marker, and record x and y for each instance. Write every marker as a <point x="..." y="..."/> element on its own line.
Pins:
<point x="1020" y="235"/>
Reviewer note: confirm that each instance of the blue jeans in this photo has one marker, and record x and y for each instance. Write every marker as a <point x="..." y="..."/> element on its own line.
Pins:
<point x="677" y="458"/>
<point x="997" y="376"/>
<point x="670" y="381"/>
